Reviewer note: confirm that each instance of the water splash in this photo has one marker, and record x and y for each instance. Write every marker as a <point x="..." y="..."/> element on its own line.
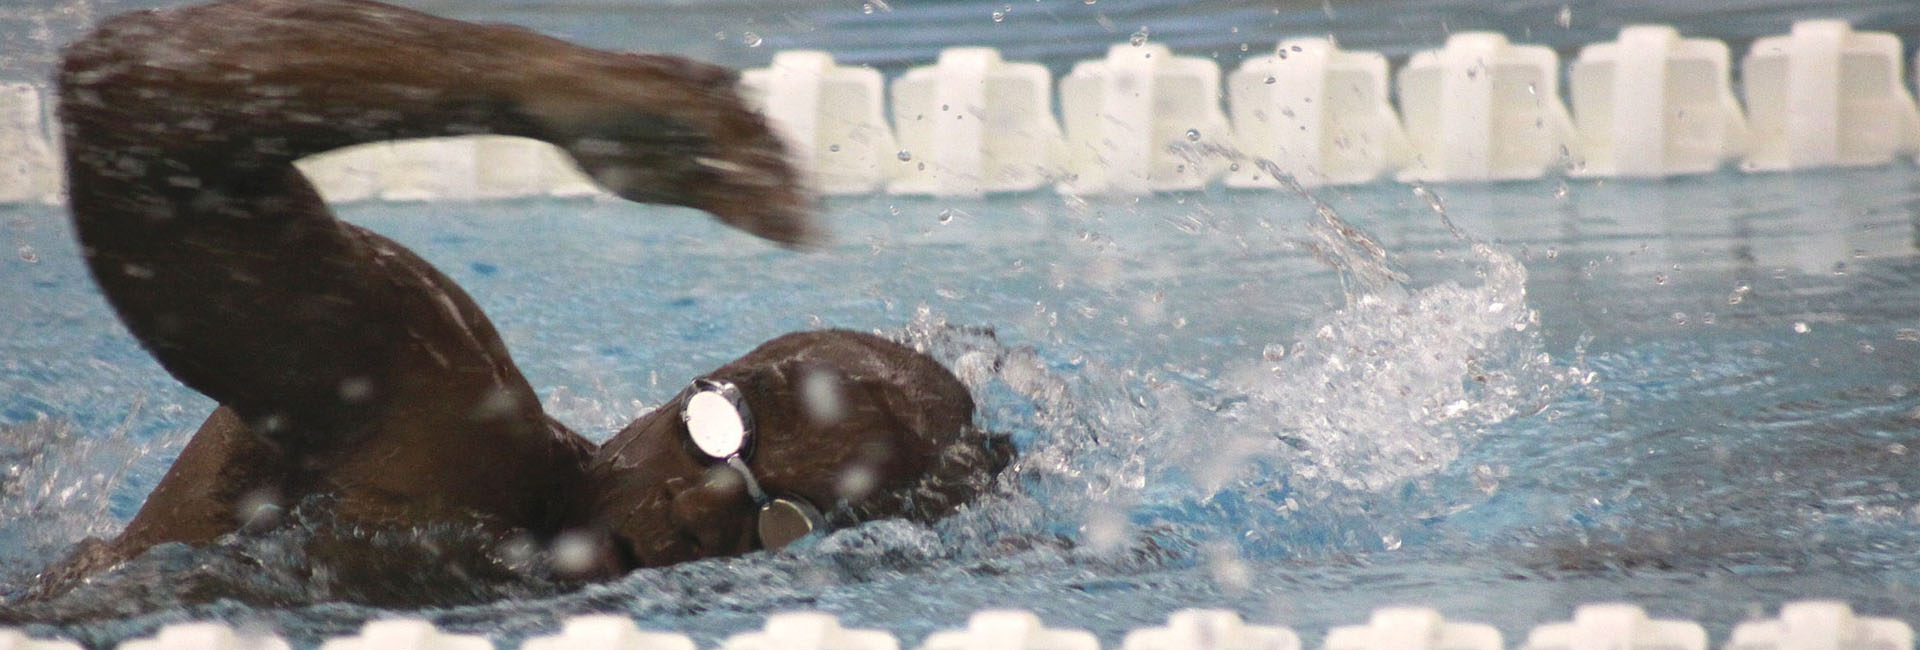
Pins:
<point x="1313" y="446"/>
<point x="58" y="488"/>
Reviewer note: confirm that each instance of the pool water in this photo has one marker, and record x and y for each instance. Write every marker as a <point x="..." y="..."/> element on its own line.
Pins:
<point x="1502" y="401"/>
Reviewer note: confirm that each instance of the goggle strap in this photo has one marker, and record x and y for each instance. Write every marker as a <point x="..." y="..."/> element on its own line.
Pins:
<point x="753" y="486"/>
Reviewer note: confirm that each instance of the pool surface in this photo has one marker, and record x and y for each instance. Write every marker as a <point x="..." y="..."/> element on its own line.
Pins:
<point x="1698" y="395"/>
<point x="1701" y="395"/>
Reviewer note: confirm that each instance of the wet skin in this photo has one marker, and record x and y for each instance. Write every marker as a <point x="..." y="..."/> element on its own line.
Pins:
<point x="347" y="367"/>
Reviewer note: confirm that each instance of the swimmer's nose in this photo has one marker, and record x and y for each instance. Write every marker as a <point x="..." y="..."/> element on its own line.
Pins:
<point x="717" y="513"/>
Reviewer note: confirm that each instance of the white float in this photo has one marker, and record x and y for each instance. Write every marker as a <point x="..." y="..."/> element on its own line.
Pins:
<point x="29" y="172"/>
<point x="1653" y="104"/>
<point x="830" y="117"/>
<point x="1483" y="109"/>
<point x="1821" y="625"/>
<point x="405" y="634"/>
<point x="1009" y="630"/>
<point x="1319" y="113"/>
<point x="607" y="632"/>
<point x="1827" y="96"/>
<point x="1614" y="626"/>
<point x="348" y="174"/>
<point x="12" y="639"/>
<point x="431" y="169"/>
<point x="973" y="123"/>
<point x="810" y="631"/>
<point x="509" y="167"/>
<point x="1210" y="629"/>
<point x="203" y="636"/>
<point x="1135" y="120"/>
<point x="1406" y="628"/>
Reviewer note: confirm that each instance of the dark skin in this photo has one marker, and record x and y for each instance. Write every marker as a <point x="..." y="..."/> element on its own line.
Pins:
<point x="347" y="367"/>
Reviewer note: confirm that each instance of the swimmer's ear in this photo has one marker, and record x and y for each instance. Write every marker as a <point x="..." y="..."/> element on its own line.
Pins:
<point x="660" y="129"/>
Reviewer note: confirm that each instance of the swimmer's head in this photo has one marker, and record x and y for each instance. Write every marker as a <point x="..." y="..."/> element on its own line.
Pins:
<point x="662" y="129"/>
<point x="850" y="425"/>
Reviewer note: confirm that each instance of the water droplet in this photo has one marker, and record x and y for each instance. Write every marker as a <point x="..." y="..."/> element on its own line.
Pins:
<point x="1089" y="1"/>
<point x="1244" y="47"/>
<point x="866" y="7"/>
<point x="1139" y="38"/>
<point x="999" y="16"/>
<point x="1390" y="541"/>
<point x="1270" y="80"/>
<point x="1739" y="294"/>
<point x="28" y="255"/>
<point x="833" y="148"/>
<point x="1273" y="352"/>
<point x="946" y="217"/>
<point x="751" y="39"/>
<point x="1193" y="135"/>
<point x="1560" y="191"/>
<point x="904" y="155"/>
<point x="1659" y="278"/>
<point x="1801" y="327"/>
<point x="1282" y="54"/>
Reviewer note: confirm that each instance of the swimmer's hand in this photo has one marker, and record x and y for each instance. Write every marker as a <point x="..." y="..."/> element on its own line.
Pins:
<point x="661" y="129"/>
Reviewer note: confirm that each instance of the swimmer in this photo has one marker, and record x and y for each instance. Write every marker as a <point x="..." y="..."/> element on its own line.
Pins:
<point x="352" y="374"/>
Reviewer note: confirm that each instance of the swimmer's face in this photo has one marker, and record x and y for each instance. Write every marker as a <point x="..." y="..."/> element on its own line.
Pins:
<point x="851" y="447"/>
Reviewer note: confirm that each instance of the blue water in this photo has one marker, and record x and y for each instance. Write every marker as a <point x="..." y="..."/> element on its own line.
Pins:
<point x="1699" y="395"/>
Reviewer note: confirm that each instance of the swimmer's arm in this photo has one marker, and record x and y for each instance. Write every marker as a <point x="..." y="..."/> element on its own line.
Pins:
<point x="257" y="83"/>
<point x="182" y="126"/>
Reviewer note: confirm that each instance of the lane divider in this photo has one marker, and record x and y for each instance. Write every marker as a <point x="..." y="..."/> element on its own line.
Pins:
<point x="1802" y="625"/>
<point x="1651" y="104"/>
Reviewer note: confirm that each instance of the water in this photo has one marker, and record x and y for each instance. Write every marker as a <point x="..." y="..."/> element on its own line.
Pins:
<point x="1697" y="395"/>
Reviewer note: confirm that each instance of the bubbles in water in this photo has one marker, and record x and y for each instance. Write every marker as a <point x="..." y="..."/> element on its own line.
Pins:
<point x="904" y="155"/>
<point x="1139" y="37"/>
<point x="1193" y="135"/>
<point x="1273" y="352"/>
<point x="751" y="39"/>
<point x="946" y="216"/>
<point x="1270" y="81"/>
<point x="856" y="482"/>
<point x="1739" y="294"/>
<point x="833" y="148"/>
<point x="1801" y="327"/>
<point x="820" y="392"/>
<point x="574" y="553"/>
<point x="999" y="16"/>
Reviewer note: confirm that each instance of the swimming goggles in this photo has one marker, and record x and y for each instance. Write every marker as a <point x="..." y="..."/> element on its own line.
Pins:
<point x="721" y="427"/>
